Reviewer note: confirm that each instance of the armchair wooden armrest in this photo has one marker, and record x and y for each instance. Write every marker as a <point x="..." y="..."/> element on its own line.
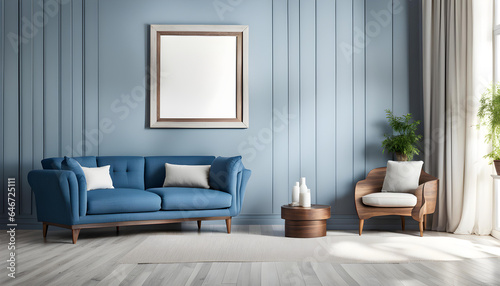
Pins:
<point x="426" y="194"/>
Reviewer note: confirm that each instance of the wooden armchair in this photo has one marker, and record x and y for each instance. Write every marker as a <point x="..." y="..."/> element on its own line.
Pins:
<point x="426" y="194"/>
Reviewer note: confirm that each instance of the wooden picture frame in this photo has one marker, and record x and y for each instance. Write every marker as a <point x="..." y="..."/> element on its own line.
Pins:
<point x="199" y="76"/>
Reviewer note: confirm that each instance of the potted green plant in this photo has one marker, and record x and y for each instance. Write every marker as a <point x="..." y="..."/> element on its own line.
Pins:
<point x="403" y="141"/>
<point x="489" y="117"/>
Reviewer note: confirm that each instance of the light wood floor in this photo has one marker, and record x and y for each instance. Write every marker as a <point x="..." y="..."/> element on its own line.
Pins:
<point x="93" y="261"/>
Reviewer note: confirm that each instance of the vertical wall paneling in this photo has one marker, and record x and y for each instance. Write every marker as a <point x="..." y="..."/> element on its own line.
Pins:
<point x="322" y="72"/>
<point x="293" y="91"/>
<point x="26" y="106"/>
<point x="280" y="105"/>
<point x="358" y="58"/>
<point x="38" y="89"/>
<point x="307" y="93"/>
<point x="378" y="78"/>
<point x="66" y="68"/>
<point x="77" y="77"/>
<point x="326" y="94"/>
<point x="344" y="91"/>
<point x="91" y="84"/>
<point x="11" y="93"/>
<point x="51" y="75"/>
<point x="401" y="62"/>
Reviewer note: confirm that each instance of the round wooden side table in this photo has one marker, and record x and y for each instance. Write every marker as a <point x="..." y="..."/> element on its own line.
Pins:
<point x="305" y="222"/>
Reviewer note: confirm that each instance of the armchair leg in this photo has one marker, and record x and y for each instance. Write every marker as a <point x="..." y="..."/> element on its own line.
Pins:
<point x="361" y="223"/>
<point x="421" y="227"/>
<point x="45" y="228"/>
<point x="425" y="221"/>
<point x="75" y="233"/>
<point x="199" y="224"/>
<point x="402" y="222"/>
<point x="228" y="225"/>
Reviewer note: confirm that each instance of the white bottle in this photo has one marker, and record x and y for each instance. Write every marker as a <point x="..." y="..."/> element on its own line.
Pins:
<point x="295" y="194"/>
<point x="305" y="199"/>
<point x="303" y="186"/>
<point x="303" y="192"/>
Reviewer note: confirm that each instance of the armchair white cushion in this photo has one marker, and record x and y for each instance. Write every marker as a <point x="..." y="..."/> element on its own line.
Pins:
<point x="390" y="200"/>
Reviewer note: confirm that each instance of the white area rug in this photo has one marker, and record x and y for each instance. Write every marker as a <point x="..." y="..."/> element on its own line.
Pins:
<point x="337" y="247"/>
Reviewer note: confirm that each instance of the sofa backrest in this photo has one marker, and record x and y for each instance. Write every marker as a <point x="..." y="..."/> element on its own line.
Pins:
<point x="155" y="167"/>
<point x="132" y="171"/>
<point x="126" y="171"/>
<point x="55" y="163"/>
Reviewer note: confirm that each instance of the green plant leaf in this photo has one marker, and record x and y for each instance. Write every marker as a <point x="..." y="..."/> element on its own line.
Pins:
<point x="404" y="138"/>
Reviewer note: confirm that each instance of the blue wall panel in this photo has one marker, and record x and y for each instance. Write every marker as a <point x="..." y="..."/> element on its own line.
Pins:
<point x="321" y="74"/>
<point x="379" y="76"/>
<point x="280" y="118"/>
<point x="344" y="121"/>
<point x="26" y="112"/>
<point x="326" y="102"/>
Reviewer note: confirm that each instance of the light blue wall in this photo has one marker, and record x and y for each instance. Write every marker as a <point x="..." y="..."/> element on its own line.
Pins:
<point x="321" y="74"/>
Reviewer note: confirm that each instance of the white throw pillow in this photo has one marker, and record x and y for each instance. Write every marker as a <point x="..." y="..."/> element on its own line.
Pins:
<point x="98" y="178"/>
<point x="402" y="177"/>
<point x="189" y="176"/>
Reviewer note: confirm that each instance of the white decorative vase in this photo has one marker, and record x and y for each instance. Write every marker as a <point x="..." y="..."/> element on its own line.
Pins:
<point x="305" y="199"/>
<point x="303" y="186"/>
<point x="305" y="194"/>
<point x="295" y="194"/>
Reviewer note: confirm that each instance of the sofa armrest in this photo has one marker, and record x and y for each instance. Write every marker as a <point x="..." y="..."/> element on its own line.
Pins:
<point x="228" y="174"/>
<point x="243" y="177"/>
<point x="56" y="195"/>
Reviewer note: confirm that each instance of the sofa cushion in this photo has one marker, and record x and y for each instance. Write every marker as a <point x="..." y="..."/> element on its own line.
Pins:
<point x="155" y="167"/>
<point x="189" y="176"/>
<point x="98" y="178"/>
<point x="192" y="198"/>
<point x="111" y="201"/>
<point x="390" y="200"/>
<point x="125" y="171"/>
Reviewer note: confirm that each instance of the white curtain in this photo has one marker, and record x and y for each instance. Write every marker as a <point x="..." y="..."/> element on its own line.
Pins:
<point x="457" y="68"/>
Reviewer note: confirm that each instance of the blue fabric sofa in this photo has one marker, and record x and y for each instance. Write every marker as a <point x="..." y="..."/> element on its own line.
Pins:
<point x="138" y="196"/>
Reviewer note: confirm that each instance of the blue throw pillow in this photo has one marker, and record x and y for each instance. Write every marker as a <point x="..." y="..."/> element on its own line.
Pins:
<point x="73" y="165"/>
<point x="223" y="173"/>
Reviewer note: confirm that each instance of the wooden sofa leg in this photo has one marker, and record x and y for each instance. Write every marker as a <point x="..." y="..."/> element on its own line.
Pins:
<point x="75" y="233"/>
<point x="421" y="227"/>
<point x="361" y="223"/>
<point x="199" y="224"/>
<point x="403" y="223"/>
<point x="228" y="225"/>
<point x="117" y="229"/>
<point x="45" y="228"/>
